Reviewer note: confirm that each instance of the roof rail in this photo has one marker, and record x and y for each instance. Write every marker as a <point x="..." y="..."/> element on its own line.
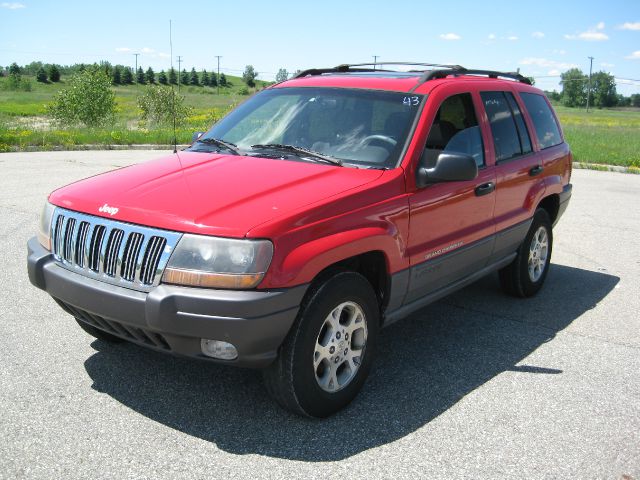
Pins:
<point x="357" y="67"/>
<point x="434" y="74"/>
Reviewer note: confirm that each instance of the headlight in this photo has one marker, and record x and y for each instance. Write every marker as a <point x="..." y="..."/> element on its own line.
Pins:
<point x="213" y="262"/>
<point x="44" y="229"/>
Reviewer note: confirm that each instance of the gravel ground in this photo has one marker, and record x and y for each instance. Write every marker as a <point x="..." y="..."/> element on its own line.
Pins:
<point x="478" y="385"/>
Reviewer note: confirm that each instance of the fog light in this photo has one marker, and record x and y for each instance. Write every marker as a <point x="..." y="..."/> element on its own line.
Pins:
<point x="218" y="349"/>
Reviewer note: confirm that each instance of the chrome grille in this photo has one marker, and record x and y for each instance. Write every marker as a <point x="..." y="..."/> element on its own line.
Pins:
<point x="115" y="252"/>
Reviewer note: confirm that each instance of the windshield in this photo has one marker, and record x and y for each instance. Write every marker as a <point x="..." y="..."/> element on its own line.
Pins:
<point x="359" y="127"/>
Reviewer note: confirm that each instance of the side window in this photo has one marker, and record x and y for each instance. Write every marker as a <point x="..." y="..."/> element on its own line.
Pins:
<point x="455" y="129"/>
<point x="543" y="119"/>
<point x="506" y="138"/>
<point x="525" y="140"/>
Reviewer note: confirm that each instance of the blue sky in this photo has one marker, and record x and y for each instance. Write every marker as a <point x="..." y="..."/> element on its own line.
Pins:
<point x="542" y="38"/>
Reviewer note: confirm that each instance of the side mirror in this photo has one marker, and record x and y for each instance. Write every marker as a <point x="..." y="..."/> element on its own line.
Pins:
<point x="449" y="167"/>
<point x="196" y="136"/>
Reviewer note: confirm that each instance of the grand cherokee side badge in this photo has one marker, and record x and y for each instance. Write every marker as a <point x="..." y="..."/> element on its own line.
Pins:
<point x="107" y="209"/>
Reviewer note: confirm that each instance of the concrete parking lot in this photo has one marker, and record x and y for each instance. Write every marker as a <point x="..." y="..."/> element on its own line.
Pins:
<point x="478" y="385"/>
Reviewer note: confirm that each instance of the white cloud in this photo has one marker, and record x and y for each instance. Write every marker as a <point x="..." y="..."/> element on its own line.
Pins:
<point x="546" y="63"/>
<point x="123" y="49"/>
<point x="163" y="55"/>
<point x="594" y="34"/>
<point x="537" y="35"/>
<point x="512" y="38"/>
<point x="634" y="56"/>
<point x="13" y="5"/>
<point x="554" y="72"/>
<point x="450" y="36"/>
<point x="559" y="52"/>
<point x="491" y="36"/>
<point x="629" y="26"/>
<point x="147" y="50"/>
<point x="607" y="65"/>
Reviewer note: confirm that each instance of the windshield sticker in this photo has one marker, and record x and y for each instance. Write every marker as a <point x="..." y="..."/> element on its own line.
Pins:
<point x="413" y="101"/>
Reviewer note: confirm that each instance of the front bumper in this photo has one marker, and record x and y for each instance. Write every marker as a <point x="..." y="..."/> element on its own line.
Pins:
<point x="173" y="318"/>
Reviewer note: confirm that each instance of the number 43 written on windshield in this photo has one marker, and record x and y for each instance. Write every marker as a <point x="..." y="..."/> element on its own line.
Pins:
<point x="411" y="101"/>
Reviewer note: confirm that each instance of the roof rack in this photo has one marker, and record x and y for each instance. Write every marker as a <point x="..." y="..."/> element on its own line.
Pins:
<point x="357" y="68"/>
<point x="434" y="74"/>
<point x="442" y="71"/>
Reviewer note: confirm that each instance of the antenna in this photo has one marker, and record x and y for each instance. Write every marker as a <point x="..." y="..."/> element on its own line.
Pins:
<point x="173" y="95"/>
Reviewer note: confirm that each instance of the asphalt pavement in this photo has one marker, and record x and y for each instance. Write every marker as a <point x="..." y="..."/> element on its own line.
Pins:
<point x="478" y="385"/>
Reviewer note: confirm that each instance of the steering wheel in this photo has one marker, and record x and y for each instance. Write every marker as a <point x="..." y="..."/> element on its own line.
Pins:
<point x="382" y="138"/>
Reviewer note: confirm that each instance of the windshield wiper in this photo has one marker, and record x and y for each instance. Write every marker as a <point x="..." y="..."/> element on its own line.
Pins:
<point x="300" y="151"/>
<point x="232" y="147"/>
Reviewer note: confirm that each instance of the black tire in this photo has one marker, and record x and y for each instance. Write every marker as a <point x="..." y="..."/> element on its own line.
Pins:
<point x="515" y="278"/>
<point x="292" y="379"/>
<point x="97" y="333"/>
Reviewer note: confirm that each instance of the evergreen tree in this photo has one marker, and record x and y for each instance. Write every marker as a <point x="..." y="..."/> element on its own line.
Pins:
<point x="204" y="78"/>
<point x="223" y="80"/>
<point x="41" y="75"/>
<point x="162" y="78"/>
<point x="184" y="77"/>
<point x="127" y="76"/>
<point x="54" y="73"/>
<point x="173" y="76"/>
<point x="150" y="76"/>
<point x="116" y="76"/>
<point x="213" y="80"/>
<point x="14" y="69"/>
<point x="193" y="79"/>
<point x="140" y="76"/>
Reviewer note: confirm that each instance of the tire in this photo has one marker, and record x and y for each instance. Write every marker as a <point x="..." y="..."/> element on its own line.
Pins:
<point x="97" y="333"/>
<point x="325" y="359"/>
<point x="526" y="274"/>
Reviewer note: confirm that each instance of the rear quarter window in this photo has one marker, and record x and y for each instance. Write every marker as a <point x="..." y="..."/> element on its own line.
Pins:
<point x="544" y="122"/>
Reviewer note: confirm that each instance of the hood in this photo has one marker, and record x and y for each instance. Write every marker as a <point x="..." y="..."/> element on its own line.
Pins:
<point x="208" y="193"/>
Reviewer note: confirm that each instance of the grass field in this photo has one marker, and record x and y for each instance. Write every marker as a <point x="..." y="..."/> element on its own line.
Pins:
<point x="609" y="137"/>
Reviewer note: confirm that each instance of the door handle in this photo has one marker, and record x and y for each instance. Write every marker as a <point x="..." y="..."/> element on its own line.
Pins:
<point x="537" y="170"/>
<point x="485" y="188"/>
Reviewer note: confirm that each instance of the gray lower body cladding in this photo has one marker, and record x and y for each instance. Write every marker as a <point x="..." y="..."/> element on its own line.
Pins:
<point x="173" y="318"/>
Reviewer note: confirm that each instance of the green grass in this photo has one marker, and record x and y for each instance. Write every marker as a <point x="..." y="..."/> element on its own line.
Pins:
<point x="610" y="137"/>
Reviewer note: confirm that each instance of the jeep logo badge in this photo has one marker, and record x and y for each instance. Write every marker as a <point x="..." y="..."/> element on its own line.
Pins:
<point x="107" y="209"/>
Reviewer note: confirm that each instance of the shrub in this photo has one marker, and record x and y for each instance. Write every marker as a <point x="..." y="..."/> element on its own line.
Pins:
<point x="41" y="75"/>
<point x="158" y="104"/>
<point x="89" y="100"/>
<point x="243" y="91"/>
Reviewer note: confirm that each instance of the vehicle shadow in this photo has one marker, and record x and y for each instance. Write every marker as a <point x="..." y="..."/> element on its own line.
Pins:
<point x="425" y="365"/>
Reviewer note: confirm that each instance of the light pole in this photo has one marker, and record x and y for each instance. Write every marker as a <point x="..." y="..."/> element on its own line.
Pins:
<point x="135" y="72"/>
<point x="589" y="89"/>
<point x="218" y="82"/>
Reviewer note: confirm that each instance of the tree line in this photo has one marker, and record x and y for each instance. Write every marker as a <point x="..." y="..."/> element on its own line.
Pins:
<point x="601" y="92"/>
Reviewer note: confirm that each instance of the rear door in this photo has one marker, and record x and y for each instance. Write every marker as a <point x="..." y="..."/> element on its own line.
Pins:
<point x="451" y="224"/>
<point x="519" y="183"/>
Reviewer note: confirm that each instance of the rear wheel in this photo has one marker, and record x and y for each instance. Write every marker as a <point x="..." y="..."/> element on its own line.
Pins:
<point x="97" y="333"/>
<point x="327" y="355"/>
<point x="525" y="275"/>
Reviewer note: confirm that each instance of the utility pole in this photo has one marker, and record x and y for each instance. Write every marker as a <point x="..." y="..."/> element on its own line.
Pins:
<point x="589" y="90"/>
<point x="375" y="60"/>
<point x="179" y="71"/>
<point x="135" y="72"/>
<point x="218" y="82"/>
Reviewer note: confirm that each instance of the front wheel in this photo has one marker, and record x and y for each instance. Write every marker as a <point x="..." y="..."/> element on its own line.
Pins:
<point x="525" y="275"/>
<point x="327" y="355"/>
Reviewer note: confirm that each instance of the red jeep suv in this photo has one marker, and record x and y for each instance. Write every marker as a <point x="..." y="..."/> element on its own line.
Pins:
<point x="314" y="214"/>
